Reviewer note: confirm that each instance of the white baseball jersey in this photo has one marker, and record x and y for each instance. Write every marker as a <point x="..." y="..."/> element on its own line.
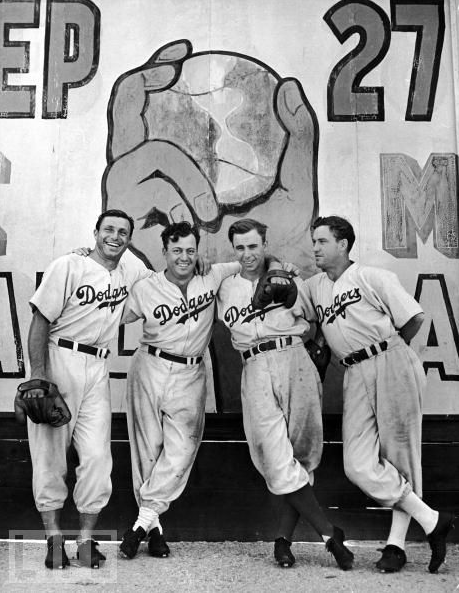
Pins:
<point x="82" y="300"/>
<point x="176" y="324"/>
<point x="249" y="326"/>
<point x="363" y="306"/>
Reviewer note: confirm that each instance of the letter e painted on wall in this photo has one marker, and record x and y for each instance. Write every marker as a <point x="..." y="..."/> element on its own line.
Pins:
<point x="16" y="100"/>
<point x="72" y="47"/>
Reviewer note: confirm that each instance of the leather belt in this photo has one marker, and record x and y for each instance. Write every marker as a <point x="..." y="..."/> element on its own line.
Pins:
<point x="173" y="357"/>
<point x="265" y="346"/>
<point x="97" y="352"/>
<point x="364" y="354"/>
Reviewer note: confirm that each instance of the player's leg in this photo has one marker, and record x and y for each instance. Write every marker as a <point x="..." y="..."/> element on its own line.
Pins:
<point x="270" y="450"/>
<point x="393" y="557"/>
<point x="265" y="428"/>
<point x="287" y="520"/>
<point x="299" y="394"/>
<point x="48" y="450"/>
<point x="399" y="418"/>
<point x="363" y="463"/>
<point x="146" y="384"/>
<point x="91" y="437"/>
<point x="183" y="408"/>
<point x="56" y="556"/>
<point x="399" y="415"/>
<point x="267" y="435"/>
<point x="182" y="424"/>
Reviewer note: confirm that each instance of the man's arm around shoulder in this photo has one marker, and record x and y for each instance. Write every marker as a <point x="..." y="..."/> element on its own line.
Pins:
<point x="411" y="327"/>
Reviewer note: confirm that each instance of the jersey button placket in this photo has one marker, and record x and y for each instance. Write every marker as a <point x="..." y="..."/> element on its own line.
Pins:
<point x="258" y="324"/>
<point x="104" y="318"/>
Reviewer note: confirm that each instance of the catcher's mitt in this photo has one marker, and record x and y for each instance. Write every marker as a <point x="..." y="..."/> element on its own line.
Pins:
<point x="320" y="356"/>
<point x="49" y="408"/>
<point x="268" y="292"/>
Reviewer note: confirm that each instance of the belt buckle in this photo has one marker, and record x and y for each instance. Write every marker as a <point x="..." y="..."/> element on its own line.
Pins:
<point x="261" y="347"/>
<point x="349" y="360"/>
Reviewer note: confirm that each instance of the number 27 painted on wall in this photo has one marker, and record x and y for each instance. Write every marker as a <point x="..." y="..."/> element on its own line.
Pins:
<point x="346" y="99"/>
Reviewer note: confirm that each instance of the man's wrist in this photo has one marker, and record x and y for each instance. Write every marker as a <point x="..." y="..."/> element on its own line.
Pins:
<point x="272" y="262"/>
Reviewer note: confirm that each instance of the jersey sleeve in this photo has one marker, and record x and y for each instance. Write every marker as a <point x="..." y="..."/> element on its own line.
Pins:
<point x="304" y="300"/>
<point x="137" y="269"/>
<point x="133" y="305"/>
<point x="222" y="271"/>
<point x="55" y="288"/>
<point x="384" y="289"/>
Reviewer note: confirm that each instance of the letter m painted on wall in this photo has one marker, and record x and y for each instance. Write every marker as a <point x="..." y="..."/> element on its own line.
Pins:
<point x="419" y="202"/>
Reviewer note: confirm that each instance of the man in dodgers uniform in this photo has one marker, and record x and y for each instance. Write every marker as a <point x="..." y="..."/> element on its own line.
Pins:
<point x="280" y="392"/>
<point x="368" y="319"/>
<point x="76" y="313"/>
<point x="166" y="382"/>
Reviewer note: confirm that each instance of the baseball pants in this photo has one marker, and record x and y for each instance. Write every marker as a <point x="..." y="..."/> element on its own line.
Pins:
<point x="165" y="415"/>
<point x="382" y="419"/>
<point x="281" y="403"/>
<point x="83" y="382"/>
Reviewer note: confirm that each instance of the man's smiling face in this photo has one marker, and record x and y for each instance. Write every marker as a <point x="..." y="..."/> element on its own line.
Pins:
<point x="250" y="250"/>
<point x="112" y="238"/>
<point x="181" y="258"/>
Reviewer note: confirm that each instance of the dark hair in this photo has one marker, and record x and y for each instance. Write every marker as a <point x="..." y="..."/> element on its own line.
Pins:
<point x="339" y="227"/>
<point x="174" y="231"/>
<point x="246" y="225"/>
<point x="117" y="214"/>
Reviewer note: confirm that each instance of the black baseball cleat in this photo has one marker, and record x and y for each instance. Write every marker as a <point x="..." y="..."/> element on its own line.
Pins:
<point x="131" y="542"/>
<point x="56" y="556"/>
<point x="393" y="559"/>
<point x="157" y="545"/>
<point x="335" y="545"/>
<point x="89" y="555"/>
<point x="437" y="540"/>
<point x="282" y="552"/>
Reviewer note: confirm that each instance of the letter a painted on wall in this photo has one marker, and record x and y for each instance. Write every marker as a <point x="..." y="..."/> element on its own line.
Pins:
<point x="438" y="337"/>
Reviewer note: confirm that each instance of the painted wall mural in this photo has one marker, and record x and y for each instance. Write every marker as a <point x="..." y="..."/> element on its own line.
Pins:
<point x="209" y="111"/>
<point x="206" y="137"/>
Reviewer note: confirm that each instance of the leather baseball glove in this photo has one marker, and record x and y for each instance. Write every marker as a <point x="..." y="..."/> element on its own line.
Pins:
<point x="320" y="356"/>
<point x="49" y="407"/>
<point x="268" y="292"/>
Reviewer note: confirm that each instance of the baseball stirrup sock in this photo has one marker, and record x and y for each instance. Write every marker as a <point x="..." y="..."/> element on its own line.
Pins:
<point x="398" y="528"/>
<point x="145" y="519"/>
<point x="422" y="513"/>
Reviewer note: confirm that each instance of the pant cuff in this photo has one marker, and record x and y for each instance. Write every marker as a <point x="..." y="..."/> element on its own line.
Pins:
<point x="159" y="507"/>
<point x="406" y="490"/>
<point x="89" y="510"/>
<point x="43" y="508"/>
<point x="278" y="490"/>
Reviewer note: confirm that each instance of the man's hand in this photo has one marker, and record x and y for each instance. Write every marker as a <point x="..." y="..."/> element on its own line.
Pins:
<point x="288" y="267"/>
<point x="292" y="269"/>
<point x="84" y="251"/>
<point x="203" y="265"/>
